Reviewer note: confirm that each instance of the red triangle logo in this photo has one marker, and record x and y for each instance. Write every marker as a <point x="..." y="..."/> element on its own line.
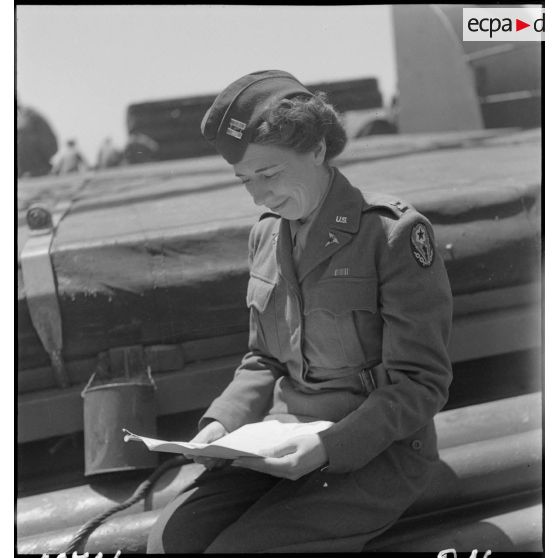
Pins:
<point x="520" y="24"/>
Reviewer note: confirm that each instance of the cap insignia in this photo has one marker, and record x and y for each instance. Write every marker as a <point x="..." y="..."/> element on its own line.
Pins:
<point x="236" y="128"/>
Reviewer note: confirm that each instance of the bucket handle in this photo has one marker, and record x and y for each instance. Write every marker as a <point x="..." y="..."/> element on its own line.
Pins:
<point x="89" y="382"/>
<point x="151" y="380"/>
<point x="92" y="378"/>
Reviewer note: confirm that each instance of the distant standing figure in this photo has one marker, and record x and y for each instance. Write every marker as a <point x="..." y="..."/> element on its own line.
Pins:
<point x="36" y="143"/>
<point x="108" y="156"/>
<point x="71" y="160"/>
<point x="140" y="149"/>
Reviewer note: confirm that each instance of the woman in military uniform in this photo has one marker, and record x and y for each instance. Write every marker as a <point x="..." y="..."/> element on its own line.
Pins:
<point x="350" y="314"/>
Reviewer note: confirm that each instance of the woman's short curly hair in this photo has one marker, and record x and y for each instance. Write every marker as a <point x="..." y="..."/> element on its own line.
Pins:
<point x="300" y="123"/>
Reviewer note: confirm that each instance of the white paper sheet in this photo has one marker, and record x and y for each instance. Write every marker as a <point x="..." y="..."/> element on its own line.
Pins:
<point x="254" y="440"/>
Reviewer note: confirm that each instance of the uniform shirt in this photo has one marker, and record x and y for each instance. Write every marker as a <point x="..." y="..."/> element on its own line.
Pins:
<point x="358" y="337"/>
<point x="300" y="229"/>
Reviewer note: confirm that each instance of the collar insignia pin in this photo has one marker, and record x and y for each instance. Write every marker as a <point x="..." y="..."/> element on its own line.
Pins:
<point x="332" y="240"/>
<point x="341" y="219"/>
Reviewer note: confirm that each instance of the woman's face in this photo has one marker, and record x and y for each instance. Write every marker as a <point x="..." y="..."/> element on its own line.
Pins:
<point x="289" y="183"/>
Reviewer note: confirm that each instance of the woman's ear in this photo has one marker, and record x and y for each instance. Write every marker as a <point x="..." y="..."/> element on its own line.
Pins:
<point x="320" y="152"/>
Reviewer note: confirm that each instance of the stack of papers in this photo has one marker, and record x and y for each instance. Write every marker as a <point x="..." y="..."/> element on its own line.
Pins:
<point x="253" y="440"/>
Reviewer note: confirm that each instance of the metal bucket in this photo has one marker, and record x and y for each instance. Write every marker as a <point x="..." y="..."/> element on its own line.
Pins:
<point x="107" y="409"/>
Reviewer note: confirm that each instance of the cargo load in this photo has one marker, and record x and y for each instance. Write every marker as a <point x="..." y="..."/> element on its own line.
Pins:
<point x="156" y="256"/>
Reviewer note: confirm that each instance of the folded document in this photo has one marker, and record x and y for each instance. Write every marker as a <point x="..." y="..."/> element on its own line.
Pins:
<point x="253" y="440"/>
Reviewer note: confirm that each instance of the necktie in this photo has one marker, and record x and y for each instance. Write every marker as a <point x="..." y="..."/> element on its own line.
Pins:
<point x="297" y="245"/>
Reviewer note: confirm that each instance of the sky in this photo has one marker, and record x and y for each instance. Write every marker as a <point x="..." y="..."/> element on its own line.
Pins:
<point x="81" y="66"/>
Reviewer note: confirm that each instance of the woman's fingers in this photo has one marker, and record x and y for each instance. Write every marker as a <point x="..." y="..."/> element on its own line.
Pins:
<point x="292" y="460"/>
<point x="279" y="450"/>
<point x="215" y="464"/>
<point x="213" y="431"/>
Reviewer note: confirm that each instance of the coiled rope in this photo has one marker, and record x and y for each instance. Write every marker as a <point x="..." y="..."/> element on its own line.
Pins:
<point x="140" y="492"/>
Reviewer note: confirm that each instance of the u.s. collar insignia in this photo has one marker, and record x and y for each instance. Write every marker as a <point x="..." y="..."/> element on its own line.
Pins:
<point x="332" y="240"/>
<point x="422" y="246"/>
<point x="236" y="128"/>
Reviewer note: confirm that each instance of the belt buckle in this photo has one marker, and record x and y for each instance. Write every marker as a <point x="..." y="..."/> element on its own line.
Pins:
<point x="367" y="380"/>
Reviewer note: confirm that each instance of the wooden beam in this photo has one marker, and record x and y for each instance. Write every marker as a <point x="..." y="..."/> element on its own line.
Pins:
<point x="474" y="336"/>
<point x="54" y="412"/>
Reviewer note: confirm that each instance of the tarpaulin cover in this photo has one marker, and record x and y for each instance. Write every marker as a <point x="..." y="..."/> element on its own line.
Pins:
<point x="158" y="253"/>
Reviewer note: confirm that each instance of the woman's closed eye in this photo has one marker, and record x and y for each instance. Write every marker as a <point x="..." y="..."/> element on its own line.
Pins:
<point x="271" y="176"/>
<point x="265" y="177"/>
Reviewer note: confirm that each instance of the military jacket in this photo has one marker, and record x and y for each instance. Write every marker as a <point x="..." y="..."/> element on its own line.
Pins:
<point x="358" y="336"/>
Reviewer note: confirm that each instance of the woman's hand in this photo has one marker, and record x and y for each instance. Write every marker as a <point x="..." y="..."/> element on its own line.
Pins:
<point x="291" y="460"/>
<point x="213" y="431"/>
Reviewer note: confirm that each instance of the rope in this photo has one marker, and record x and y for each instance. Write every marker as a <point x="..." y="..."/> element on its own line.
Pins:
<point x="140" y="492"/>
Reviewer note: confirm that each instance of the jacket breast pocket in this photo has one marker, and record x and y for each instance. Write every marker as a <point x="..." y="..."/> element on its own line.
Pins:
<point x="259" y="293"/>
<point x="343" y="314"/>
<point x="263" y="320"/>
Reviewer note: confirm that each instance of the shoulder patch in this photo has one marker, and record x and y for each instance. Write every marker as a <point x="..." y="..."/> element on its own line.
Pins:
<point x="422" y="246"/>
<point x="269" y="214"/>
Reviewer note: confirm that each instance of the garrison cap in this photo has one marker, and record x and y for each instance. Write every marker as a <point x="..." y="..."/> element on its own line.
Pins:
<point x="237" y="110"/>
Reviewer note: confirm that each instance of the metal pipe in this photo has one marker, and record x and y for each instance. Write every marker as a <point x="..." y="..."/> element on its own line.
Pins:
<point x="516" y="530"/>
<point x="466" y="474"/>
<point x="73" y="506"/>
<point x="128" y="534"/>
<point x="482" y="470"/>
<point x="519" y="529"/>
<point x="489" y="420"/>
<point x="69" y="507"/>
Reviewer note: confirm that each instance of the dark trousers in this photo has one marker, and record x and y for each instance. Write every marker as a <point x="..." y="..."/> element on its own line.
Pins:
<point x="242" y="511"/>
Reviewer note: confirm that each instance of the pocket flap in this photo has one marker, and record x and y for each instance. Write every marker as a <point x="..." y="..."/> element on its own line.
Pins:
<point x="342" y="295"/>
<point x="259" y="293"/>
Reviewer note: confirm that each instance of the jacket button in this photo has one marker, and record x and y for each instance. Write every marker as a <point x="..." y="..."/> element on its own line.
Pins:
<point x="416" y="444"/>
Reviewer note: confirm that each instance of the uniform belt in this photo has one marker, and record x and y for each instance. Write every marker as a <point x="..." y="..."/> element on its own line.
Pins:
<point x="361" y="379"/>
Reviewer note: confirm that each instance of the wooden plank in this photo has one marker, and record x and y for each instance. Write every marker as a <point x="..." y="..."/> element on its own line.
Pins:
<point x="195" y="283"/>
<point x="61" y="411"/>
<point x="165" y="358"/>
<point x="42" y="378"/>
<point x="161" y="358"/>
<point x="473" y="336"/>
<point x="226" y="345"/>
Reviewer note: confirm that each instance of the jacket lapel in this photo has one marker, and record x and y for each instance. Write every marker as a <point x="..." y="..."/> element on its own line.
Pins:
<point x="334" y="227"/>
